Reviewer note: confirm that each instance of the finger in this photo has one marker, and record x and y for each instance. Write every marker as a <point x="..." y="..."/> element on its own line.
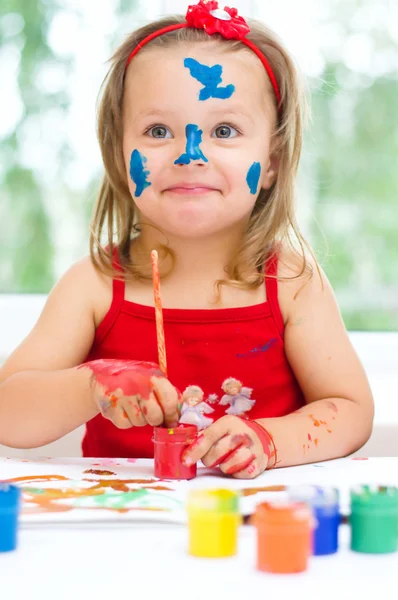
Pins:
<point x="152" y="410"/>
<point x="240" y="460"/>
<point x="205" y="440"/>
<point x="220" y="451"/>
<point x="167" y="396"/>
<point x="249" y="472"/>
<point x="132" y="411"/>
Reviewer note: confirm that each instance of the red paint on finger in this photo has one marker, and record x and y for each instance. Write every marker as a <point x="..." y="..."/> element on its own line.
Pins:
<point x="113" y="400"/>
<point x="309" y="437"/>
<point x="224" y="458"/>
<point x="125" y="415"/>
<point x="145" y="410"/>
<point x="242" y="439"/>
<point x="240" y="466"/>
<point x="197" y="441"/>
<point x="251" y="469"/>
<point x="131" y="376"/>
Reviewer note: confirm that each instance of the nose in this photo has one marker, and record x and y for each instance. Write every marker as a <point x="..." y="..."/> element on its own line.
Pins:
<point x="193" y="151"/>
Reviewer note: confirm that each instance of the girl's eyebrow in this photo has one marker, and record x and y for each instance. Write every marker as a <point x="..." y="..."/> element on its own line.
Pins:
<point x="224" y="113"/>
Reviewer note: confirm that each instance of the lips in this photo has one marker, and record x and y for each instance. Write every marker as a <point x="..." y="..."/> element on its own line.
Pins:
<point x="190" y="188"/>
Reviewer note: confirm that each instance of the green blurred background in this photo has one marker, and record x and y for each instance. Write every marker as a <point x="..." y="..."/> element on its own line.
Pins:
<point x="52" y="60"/>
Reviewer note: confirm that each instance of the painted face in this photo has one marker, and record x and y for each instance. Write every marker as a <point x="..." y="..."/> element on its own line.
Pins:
<point x="197" y="128"/>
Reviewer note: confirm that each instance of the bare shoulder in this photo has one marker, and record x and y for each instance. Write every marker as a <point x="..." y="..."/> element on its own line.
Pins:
<point x="95" y="286"/>
<point x="65" y="330"/>
<point x="301" y="284"/>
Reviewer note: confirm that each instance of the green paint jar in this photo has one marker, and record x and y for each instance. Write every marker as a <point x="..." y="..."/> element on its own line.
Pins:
<point x="374" y="519"/>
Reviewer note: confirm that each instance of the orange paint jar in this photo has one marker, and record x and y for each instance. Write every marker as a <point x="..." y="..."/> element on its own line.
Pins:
<point x="284" y="536"/>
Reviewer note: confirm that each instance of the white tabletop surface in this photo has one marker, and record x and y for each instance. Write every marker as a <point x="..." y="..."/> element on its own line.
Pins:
<point x="137" y="560"/>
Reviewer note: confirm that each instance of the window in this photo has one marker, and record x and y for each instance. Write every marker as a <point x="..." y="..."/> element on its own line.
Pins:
<point x="52" y="59"/>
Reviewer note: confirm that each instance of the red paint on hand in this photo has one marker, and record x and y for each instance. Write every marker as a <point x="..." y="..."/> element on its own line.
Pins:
<point x="240" y="466"/>
<point x="133" y="377"/>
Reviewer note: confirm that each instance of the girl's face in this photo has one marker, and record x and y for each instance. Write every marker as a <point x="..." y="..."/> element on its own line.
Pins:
<point x="197" y="127"/>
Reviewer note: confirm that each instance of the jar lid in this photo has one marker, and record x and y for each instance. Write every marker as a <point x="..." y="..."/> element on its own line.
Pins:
<point x="283" y="513"/>
<point x="314" y="495"/>
<point x="213" y="500"/>
<point x="9" y="495"/>
<point x="182" y="433"/>
<point x="374" y="496"/>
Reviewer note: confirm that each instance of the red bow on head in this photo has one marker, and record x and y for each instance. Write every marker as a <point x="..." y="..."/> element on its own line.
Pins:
<point x="207" y="16"/>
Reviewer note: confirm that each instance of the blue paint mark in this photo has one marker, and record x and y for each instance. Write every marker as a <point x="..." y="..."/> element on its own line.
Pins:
<point x="210" y="77"/>
<point x="138" y="173"/>
<point x="253" y="177"/>
<point x="192" y="150"/>
<point x="258" y="349"/>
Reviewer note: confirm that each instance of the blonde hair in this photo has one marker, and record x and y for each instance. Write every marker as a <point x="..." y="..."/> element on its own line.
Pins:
<point x="272" y="223"/>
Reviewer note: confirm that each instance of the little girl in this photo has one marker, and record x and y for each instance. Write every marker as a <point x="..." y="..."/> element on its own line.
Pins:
<point x="200" y="127"/>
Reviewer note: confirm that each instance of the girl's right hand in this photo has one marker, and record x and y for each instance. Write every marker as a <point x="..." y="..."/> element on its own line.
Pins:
<point x="133" y="393"/>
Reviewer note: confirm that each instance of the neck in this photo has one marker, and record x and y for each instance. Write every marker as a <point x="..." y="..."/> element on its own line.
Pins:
<point x="207" y="256"/>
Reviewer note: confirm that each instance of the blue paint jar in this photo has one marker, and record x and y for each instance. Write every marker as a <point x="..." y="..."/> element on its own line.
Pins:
<point x="326" y="510"/>
<point x="9" y="511"/>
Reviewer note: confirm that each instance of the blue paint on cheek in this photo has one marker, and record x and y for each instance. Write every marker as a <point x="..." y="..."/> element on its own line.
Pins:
<point x="192" y="150"/>
<point x="138" y="173"/>
<point x="211" y="78"/>
<point x="253" y="177"/>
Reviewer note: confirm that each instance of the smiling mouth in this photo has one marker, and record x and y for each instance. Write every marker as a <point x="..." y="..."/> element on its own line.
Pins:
<point x="190" y="191"/>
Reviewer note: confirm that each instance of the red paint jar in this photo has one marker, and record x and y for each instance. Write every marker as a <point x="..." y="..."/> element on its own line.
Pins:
<point x="169" y="447"/>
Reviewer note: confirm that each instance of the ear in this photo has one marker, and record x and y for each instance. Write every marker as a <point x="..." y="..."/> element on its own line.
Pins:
<point x="271" y="172"/>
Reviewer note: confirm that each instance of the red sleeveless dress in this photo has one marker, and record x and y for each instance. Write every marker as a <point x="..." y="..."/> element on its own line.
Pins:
<point x="204" y="347"/>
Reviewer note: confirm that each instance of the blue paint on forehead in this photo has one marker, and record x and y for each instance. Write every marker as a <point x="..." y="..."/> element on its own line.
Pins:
<point x="138" y="173"/>
<point x="211" y="78"/>
<point x="192" y="150"/>
<point x="253" y="177"/>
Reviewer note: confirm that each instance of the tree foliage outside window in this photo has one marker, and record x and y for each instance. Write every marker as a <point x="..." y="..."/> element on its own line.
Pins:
<point x="49" y="175"/>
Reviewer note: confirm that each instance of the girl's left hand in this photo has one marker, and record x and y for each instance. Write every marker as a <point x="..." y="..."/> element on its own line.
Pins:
<point x="231" y="445"/>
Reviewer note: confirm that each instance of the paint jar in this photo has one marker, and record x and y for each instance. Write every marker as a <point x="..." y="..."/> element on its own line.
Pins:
<point x="10" y="497"/>
<point x="326" y="511"/>
<point x="284" y="536"/>
<point x="374" y="519"/>
<point x="213" y="522"/>
<point x="169" y="445"/>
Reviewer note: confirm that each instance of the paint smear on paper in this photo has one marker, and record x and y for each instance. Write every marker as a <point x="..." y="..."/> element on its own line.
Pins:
<point x="253" y="177"/>
<point x="192" y="150"/>
<point x="138" y="173"/>
<point x="269" y="488"/>
<point x="210" y="78"/>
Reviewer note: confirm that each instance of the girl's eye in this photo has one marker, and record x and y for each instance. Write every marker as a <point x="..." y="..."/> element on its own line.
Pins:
<point x="159" y="131"/>
<point x="226" y="132"/>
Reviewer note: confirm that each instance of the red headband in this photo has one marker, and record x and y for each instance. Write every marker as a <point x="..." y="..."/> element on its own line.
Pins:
<point x="207" y="16"/>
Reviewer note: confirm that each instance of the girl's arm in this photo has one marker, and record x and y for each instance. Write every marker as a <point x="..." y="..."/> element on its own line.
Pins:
<point x="42" y="395"/>
<point x="338" y="415"/>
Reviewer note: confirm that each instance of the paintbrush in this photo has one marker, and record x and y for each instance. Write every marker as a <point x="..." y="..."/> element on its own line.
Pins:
<point x="158" y="313"/>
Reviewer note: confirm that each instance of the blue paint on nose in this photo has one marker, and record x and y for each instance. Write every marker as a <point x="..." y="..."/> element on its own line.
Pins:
<point x="192" y="150"/>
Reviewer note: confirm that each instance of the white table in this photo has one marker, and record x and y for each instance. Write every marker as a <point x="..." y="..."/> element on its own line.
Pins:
<point x="149" y="560"/>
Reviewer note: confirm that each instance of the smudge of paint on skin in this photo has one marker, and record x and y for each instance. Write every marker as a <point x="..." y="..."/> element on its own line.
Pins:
<point x="105" y="404"/>
<point x="304" y="448"/>
<point x="258" y="349"/>
<point x="125" y="415"/>
<point x="225" y="457"/>
<point x="329" y="430"/>
<point x="240" y="466"/>
<point x="315" y="421"/>
<point x="131" y="376"/>
<point x="210" y="78"/>
<point x="316" y="441"/>
<point x="145" y="410"/>
<point x="242" y="439"/>
<point x="269" y="488"/>
<point x="323" y="422"/>
<point x="138" y="173"/>
<point x="332" y="405"/>
<point x="309" y="436"/>
<point x="251" y="469"/>
<point x="192" y="150"/>
<point x="98" y="472"/>
<point x="253" y="177"/>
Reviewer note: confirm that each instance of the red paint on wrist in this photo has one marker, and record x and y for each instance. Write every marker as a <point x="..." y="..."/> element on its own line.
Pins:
<point x="266" y="440"/>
